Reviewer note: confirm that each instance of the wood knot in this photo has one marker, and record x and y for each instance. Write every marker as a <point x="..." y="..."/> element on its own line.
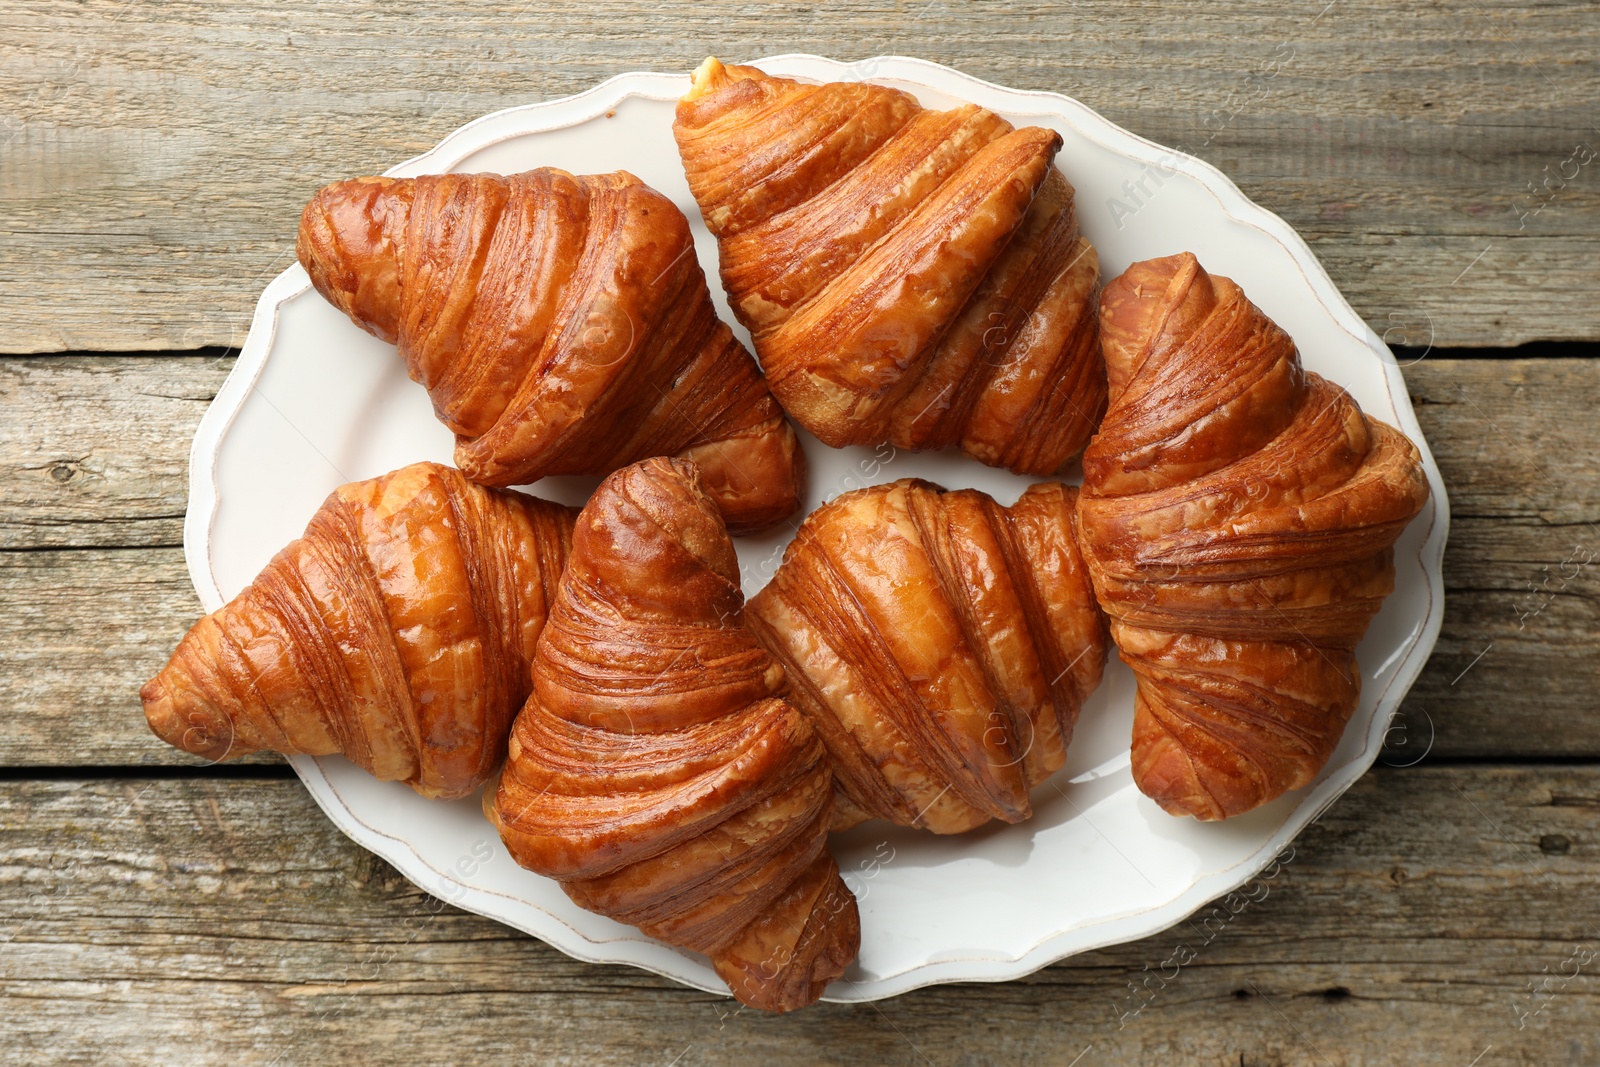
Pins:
<point x="1554" y="844"/>
<point x="62" y="472"/>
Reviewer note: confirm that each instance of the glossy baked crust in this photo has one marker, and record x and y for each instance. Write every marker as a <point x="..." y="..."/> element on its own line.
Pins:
<point x="1239" y="515"/>
<point x="907" y="275"/>
<point x="397" y="632"/>
<point x="942" y="644"/>
<point x="656" y="770"/>
<point x="560" y="324"/>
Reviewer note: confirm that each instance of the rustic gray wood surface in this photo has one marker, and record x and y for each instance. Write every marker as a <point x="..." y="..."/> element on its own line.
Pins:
<point x="153" y="161"/>
<point x="1419" y="921"/>
<point x="158" y="156"/>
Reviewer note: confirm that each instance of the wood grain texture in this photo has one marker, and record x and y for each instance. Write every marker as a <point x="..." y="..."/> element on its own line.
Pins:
<point x="154" y="158"/>
<point x="186" y="922"/>
<point x="95" y="451"/>
<point x="1515" y="440"/>
<point x="81" y="632"/>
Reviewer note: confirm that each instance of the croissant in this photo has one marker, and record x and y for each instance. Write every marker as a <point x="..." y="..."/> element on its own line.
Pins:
<point x="560" y="324"/>
<point x="656" y="771"/>
<point x="907" y="275"/>
<point x="1238" y="516"/>
<point x="941" y="644"/>
<point x="398" y="631"/>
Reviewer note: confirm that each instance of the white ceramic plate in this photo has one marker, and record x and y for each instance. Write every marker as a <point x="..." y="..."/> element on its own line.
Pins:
<point x="314" y="402"/>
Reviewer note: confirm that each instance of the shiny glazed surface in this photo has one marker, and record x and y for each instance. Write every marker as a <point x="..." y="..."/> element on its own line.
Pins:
<point x="942" y="644"/>
<point x="656" y="771"/>
<point x="1239" y="517"/>
<point x="397" y="632"/>
<point x="560" y="324"/>
<point x="907" y="275"/>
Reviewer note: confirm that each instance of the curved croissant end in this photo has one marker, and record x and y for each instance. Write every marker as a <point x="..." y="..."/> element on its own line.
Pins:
<point x="397" y="631"/>
<point x="907" y="275"/>
<point x="942" y="644"/>
<point x="560" y="324"/>
<point x="1239" y="516"/>
<point x="656" y="772"/>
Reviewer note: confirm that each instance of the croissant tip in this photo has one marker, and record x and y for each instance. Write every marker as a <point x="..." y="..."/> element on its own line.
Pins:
<point x="663" y="471"/>
<point x="1152" y="272"/>
<point x="158" y="710"/>
<point x="187" y="731"/>
<point x="707" y="78"/>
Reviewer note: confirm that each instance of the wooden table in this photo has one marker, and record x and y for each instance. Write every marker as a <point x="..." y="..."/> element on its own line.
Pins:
<point x="154" y="162"/>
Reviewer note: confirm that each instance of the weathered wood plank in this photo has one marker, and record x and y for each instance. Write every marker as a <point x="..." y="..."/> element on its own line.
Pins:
<point x="228" y="921"/>
<point x="80" y="632"/>
<point x="95" y="451"/>
<point x="1515" y="439"/>
<point x="155" y="157"/>
<point x="1515" y="669"/>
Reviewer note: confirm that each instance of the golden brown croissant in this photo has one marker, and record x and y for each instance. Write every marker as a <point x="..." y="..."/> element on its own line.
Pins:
<point x="942" y="644"/>
<point x="655" y="770"/>
<point x="907" y="275"/>
<point x="560" y="324"/>
<point x="398" y="631"/>
<point x="1239" y="516"/>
